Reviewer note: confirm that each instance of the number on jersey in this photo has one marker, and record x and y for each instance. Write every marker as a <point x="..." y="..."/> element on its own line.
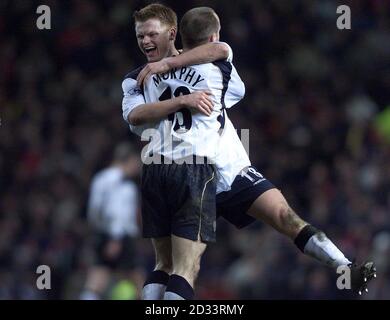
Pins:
<point x="251" y="174"/>
<point x="181" y="119"/>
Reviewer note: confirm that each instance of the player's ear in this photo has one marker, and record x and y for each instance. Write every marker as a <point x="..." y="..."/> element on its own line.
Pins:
<point x="172" y="34"/>
<point x="213" y="37"/>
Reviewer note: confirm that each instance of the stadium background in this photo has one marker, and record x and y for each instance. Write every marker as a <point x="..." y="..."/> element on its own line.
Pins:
<point x="317" y="106"/>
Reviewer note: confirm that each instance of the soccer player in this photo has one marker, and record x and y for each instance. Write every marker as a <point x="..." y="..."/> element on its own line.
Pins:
<point x="250" y="196"/>
<point x="112" y="214"/>
<point x="179" y="206"/>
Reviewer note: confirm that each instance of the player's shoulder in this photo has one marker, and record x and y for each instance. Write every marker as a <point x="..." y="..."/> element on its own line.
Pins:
<point x="224" y="66"/>
<point x="107" y="176"/>
<point x="129" y="83"/>
<point x="133" y="74"/>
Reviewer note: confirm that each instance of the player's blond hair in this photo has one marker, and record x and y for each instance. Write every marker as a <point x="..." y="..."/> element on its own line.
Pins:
<point x="157" y="11"/>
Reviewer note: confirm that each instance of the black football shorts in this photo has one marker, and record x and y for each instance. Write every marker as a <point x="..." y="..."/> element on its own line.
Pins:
<point x="234" y="204"/>
<point x="179" y="199"/>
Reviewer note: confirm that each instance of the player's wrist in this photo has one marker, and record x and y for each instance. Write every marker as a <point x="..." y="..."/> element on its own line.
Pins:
<point x="181" y="101"/>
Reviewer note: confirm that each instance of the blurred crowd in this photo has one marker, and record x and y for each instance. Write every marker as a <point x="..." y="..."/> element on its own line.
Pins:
<point x="317" y="107"/>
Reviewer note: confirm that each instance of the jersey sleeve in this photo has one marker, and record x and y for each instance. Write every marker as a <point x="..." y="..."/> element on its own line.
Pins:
<point x="132" y="97"/>
<point x="236" y="89"/>
<point x="233" y="87"/>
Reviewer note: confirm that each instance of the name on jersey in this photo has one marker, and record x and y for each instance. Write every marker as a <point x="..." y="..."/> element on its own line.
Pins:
<point x="188" y="75"/>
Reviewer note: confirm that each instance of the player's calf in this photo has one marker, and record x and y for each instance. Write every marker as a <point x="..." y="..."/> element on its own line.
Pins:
<point x="186" y="255"/>
<point x="163" y="264"/>
<point x="272" y="208"/>
<point x="288" y="221"/>
<point x="156" y="282"/>
<point x="188" y="269"/>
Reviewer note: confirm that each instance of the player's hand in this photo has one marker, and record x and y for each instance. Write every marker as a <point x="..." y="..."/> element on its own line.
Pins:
<point x="200" y="101"/>
<point x="151" y="69"/>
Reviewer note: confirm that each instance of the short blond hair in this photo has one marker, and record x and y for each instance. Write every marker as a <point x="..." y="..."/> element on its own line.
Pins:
<point x="157" y="11"/>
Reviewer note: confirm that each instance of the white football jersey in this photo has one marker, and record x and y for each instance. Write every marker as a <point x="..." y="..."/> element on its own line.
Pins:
<point x="113" y="203"/>
<point x="188" y="132"/>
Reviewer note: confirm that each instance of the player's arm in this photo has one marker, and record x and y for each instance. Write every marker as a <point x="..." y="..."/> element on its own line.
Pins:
<point x="95" y="203"/>
<point x="150" y="112"/>
<point x="137" y="112"/>
<point x="204" y="53"/>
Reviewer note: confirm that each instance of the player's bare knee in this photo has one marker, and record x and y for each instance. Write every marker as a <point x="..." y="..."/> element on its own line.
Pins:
<point x="283" y="213"/>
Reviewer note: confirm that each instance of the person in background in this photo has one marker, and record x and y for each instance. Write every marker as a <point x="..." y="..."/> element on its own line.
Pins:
<point x="113" y="216"/>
